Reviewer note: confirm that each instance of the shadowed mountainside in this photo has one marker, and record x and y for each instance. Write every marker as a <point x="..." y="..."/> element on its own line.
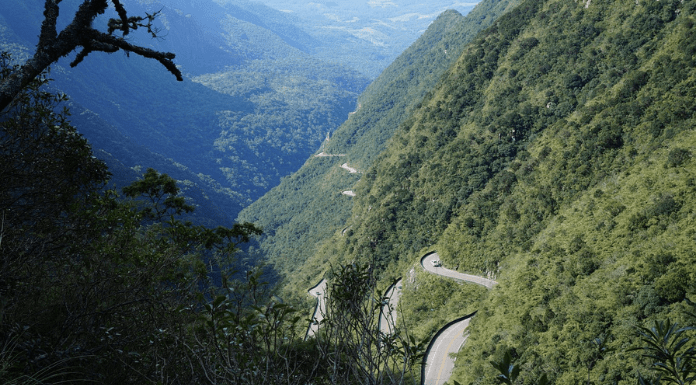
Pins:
<point x="252" y="108"/>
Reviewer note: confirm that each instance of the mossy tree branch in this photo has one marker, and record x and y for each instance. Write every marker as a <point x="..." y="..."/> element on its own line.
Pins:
<point x="80" y="33"/>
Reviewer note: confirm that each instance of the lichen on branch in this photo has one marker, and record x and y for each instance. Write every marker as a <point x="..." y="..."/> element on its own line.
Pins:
<point x="80" y="34"/>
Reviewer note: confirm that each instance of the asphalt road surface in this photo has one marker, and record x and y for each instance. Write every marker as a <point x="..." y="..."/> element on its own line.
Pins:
<point x="427" y="263"/>
<point x="387" y="317"/>
<point x="318" y="291"/>
<point x="438" y="363"/>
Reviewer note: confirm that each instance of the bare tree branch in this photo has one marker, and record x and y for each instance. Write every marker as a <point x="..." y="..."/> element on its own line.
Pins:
<point x="79" y="33"/>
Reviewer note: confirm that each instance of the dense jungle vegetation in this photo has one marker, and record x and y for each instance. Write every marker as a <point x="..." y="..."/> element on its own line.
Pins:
<point x="113" y="287"/>
<point x="308" y="206"/>
<point x="556" y="156"/>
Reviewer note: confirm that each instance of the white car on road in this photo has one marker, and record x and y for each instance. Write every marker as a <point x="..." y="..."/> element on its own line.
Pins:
<point x="436" y="263"/>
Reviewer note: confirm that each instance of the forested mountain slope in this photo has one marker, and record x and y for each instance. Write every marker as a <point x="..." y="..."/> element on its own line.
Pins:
<point x="309" y="207"/>
<point x="236" y="123"/>
<point x="208" y="199"/>
<point x="556" y="155"/>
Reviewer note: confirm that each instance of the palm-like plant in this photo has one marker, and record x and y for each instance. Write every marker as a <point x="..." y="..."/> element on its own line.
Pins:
<point x="668" y="346"/>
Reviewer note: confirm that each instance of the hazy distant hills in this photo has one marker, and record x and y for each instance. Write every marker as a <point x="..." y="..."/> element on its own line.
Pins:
<point x="367" y="35"/>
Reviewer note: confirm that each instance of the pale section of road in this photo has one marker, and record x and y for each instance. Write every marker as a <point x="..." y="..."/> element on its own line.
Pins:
<point x="387" y="317"/>
<point x="318" y="291"/>
<point x="427" y="263"/>
<point x="350" y="169"/>
<point x="439" y="364"/>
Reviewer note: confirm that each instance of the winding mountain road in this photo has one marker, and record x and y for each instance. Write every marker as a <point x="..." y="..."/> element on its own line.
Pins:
<point x="427" y="262"/>
<point x="318" y="291"/>
<point x="387" y="317"/>
<point x="439" y="363"/>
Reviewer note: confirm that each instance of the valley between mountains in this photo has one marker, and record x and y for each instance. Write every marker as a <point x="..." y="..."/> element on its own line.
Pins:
<point x="544" y="148"/>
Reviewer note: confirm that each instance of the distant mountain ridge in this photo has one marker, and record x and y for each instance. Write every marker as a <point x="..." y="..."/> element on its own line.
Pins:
<point x="366" y="35"/>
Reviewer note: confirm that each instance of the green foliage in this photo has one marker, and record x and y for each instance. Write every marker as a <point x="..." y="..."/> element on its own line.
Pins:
<point x="677" y="157"/>
<point x="554" y="155"/>
<point x="351" y="338"/>
<point x="242" y="337"/>
<point x="429" y="302"/>
<point x="95" y="287"/>
<point x="670" y="350"/>
<point x="508" y="371"/>
<point x="160" y="192"/>
<point x="665" y="344"/>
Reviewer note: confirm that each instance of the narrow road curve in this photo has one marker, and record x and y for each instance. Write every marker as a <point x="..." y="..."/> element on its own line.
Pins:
<point x="350" y="169"/>
<point x="387" y="316"/>
<point x="427" y="262"/>
<point x="439" y="365"/>
<point x="438" y="362"/>
<point x="318" y="291"/>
